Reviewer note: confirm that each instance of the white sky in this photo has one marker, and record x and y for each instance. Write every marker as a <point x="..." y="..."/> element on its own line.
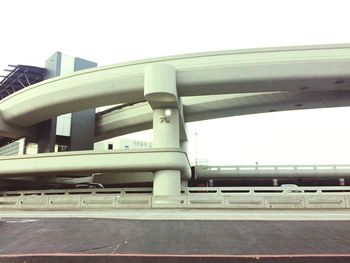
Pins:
<point x="110" y="32"/>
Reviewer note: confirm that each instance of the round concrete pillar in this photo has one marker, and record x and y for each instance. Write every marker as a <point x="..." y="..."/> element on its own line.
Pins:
<point x="166" y="135"/>
<point x="184" y="184"/>
<point x="161" y="93"/>
<point x="184" y="146"/>
<point x="166" y="182"/>
<point x="166" y="128"/>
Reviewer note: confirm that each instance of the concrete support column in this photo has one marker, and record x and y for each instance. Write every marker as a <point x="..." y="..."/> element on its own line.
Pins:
<point x="184" y="147"/>
<point x="166" y="128"/>
<point x="161" y="94"/>
<point x="184" y="184"/>
<point x="166" y="135"/>
<point x="167" y="182"/>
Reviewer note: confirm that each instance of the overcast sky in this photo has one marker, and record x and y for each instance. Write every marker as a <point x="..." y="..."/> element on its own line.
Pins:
<point x="110" y="32"/>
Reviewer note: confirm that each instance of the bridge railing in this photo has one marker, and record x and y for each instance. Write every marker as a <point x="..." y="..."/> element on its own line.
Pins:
<point x="192" y="197"/>
<point x="333" y="171"/>
<point x="274" y="167"/>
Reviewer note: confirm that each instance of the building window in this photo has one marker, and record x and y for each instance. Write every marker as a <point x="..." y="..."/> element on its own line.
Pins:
<point x="62" y="148"/>
<point x="110" y="146"/>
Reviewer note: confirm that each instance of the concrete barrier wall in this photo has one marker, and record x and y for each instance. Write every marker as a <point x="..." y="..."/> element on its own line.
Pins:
<point x="255" y="198"/>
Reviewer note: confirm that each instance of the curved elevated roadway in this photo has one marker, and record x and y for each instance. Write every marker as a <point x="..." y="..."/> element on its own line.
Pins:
<point x="96" y="161"/>
<point x="138" y="117"/>
<point x="296" y="69"/>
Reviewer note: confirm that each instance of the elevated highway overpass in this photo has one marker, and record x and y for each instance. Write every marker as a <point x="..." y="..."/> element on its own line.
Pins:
<point x="297" y="69"/>
<point x="165" y="93"/>
<point x="138" y="117"/>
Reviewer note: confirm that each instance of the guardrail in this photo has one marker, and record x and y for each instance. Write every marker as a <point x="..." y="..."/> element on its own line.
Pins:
<point x="191" y="197"/>
<point x="277" y="167"/>
<point x="212" y="172"/>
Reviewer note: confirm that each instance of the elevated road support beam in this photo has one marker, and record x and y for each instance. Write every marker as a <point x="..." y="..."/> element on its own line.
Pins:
<point x="244" y="71"/>
<point x="252" y="103"/>
<point x="40" y="181"/>
<point x="127" y="120"/>
<point x="123" y="178"/>
<point x="139" y="117"/>
<point x="106" y="179"/>
<point x="13" y="131"/>
<point x="80" y="162"/>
